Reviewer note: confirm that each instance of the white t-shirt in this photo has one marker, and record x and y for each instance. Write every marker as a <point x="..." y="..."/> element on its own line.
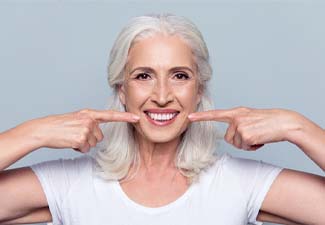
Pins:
<point x="228" y="193"/>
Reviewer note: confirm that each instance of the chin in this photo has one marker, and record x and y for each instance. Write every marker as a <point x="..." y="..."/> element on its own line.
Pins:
<point x="159" y="135"/>
<point x="156" y="136"/>
<point x="161" y="139"/>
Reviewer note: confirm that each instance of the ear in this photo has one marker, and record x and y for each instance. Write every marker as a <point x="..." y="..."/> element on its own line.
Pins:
<point x="198" y="99"/>
<point x="199" y="96"/>
<point x="121" y="93"/>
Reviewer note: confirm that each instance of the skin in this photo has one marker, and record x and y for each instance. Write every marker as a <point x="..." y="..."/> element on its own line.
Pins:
<point x="162" y="87"/>
<point x="294" y="197"/>
<point x="78" y="130"/>
<point x="163" y="84"/>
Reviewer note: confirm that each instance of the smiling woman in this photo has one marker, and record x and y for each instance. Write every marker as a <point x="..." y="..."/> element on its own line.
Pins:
<point x="166" y="58"/>
<point x="157" y="163"/>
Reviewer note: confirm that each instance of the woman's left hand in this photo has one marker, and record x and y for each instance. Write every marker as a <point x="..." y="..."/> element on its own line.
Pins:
<point x="294" y="195"/>
<point x="251" y="128"/>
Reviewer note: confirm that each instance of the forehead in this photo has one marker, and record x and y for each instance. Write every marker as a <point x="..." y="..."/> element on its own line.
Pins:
<point x="161" y="52"/>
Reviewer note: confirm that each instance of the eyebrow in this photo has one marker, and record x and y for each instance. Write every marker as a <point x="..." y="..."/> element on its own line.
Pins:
<point x="149" y="69"/>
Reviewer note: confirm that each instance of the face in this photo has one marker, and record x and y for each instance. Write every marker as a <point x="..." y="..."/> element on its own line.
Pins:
<point x="161" y="86"/>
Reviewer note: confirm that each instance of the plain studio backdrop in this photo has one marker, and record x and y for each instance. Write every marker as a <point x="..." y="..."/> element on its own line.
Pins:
<point x="265" y="54"/>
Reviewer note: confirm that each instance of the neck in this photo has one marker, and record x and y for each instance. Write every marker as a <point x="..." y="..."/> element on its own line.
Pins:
<point x="157" y="156"/>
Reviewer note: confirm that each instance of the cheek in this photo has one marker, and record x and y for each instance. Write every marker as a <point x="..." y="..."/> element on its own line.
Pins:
<point x="135" y="97"/>
<point x="187" y="97"/>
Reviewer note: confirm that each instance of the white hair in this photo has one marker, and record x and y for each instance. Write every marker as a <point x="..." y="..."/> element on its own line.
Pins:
<point x="119" y="150"/>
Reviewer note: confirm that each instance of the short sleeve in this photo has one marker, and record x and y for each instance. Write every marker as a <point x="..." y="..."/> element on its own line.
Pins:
<point x="56" y="178"/>
<point x="256" y="178"/>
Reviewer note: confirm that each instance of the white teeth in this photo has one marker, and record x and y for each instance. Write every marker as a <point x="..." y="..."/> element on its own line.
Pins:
<point x="161" y="116"/>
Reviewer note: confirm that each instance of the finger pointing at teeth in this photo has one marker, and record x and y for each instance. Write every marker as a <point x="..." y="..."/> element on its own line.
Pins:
<point x="215" y="115"/>
<point x="103" y="116"/>
<point x="251" y="128"/>
<point x="78" y="130"/>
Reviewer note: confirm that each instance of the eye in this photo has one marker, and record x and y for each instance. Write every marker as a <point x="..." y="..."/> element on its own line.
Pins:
<point x="182" y="76"/>
<point x="142" y="76"/>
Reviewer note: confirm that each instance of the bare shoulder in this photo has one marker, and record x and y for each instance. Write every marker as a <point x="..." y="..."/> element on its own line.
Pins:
<point x="21" y="194"/>
<point x="297" y="196"/>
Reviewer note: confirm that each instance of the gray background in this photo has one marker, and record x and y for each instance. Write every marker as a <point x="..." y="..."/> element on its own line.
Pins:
<point x="265" y="54"/>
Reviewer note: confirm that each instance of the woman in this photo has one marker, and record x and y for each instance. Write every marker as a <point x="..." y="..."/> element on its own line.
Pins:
<point x="158" y="164"/>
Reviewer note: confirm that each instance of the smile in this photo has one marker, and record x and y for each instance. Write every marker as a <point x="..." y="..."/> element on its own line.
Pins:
<point x="161" y="118"/>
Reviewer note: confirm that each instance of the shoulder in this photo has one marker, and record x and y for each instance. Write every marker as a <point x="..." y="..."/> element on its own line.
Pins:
<point x="78" y="163"/>
<point x="241" y="172"/>
<point x="241" y="181"/>
<point x="62" y="174"/>
<point x="238" y="165"/>
<point x="60" y="178"/>
<point x="69" y="169"/>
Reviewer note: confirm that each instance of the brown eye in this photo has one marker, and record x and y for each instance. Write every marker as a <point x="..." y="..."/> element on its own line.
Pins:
<point x="142" y="76"/>
<point x="182" y="76"/>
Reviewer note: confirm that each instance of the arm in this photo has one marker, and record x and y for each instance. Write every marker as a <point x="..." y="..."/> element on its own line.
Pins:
<point x="20" y="190"/>
<point x="78" y="130"/>
<point x="295" y="196"/>
<point x="267" y="217"/>
<point x="21" y="193"/>
<point x="37" y="216"/>
<point x="310" y="138"/>
<point x="16" y="143"/>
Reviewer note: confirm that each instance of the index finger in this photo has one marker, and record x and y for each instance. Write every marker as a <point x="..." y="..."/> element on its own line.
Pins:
<point x="221" y="115"/>
<point x="103" y="116"/>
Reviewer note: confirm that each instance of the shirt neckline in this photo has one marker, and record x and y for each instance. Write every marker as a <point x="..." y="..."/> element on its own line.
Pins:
<point x="153" y="210"/>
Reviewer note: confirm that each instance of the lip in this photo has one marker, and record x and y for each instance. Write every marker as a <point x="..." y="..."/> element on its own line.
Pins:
<point x="161" y="123"/>
<point x="162" y="110"/>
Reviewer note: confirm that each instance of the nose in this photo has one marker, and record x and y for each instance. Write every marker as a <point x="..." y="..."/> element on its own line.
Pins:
<point x="162" y="93"/>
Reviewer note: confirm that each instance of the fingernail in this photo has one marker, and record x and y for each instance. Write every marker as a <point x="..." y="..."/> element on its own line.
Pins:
<point x="191" y="116"/>
<point x="135" y="117"/>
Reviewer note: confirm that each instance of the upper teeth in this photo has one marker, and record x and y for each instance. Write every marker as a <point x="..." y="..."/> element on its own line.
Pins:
<point x="161" y="116"/>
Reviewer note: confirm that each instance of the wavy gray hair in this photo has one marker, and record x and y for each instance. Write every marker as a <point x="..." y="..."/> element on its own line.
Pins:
<point x="119" y="149"/>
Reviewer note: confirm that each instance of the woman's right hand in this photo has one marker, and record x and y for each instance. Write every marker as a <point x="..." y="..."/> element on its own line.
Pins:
<point x="78" y="130"/>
